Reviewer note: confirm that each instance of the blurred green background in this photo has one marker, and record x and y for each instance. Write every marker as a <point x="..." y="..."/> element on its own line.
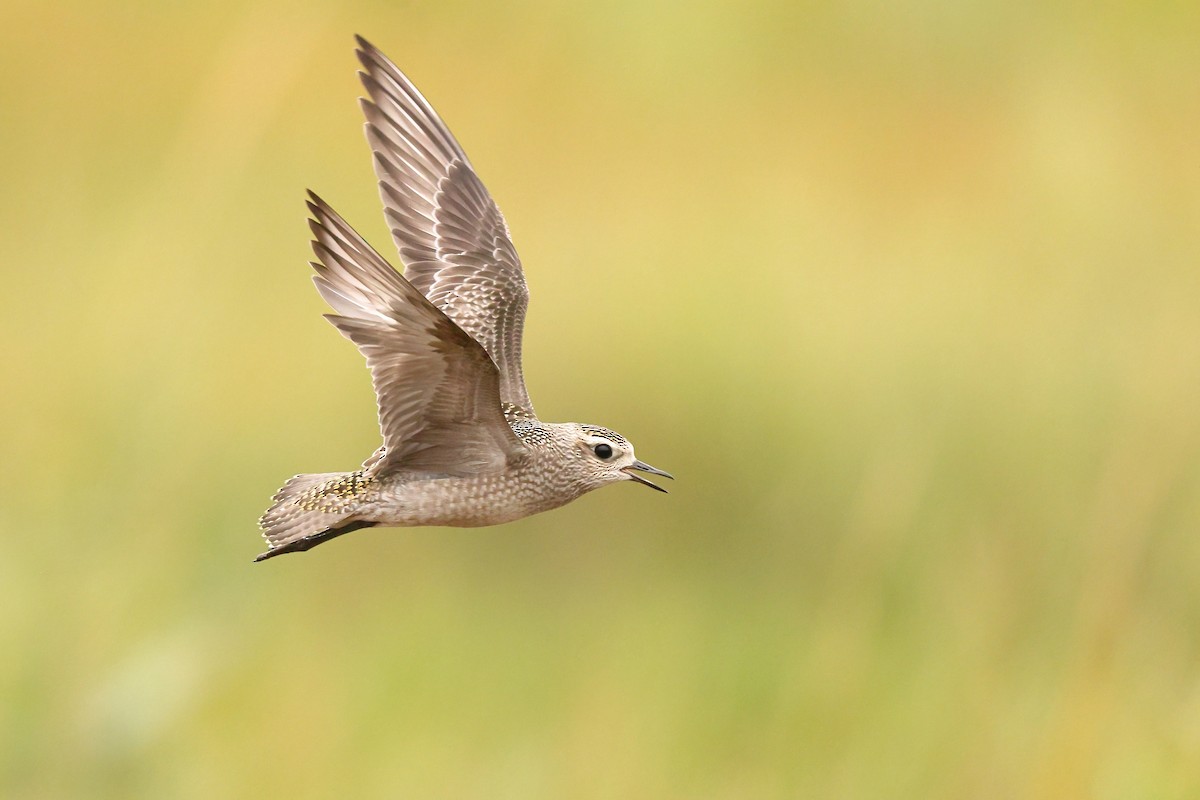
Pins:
<point x="906" y="295"/>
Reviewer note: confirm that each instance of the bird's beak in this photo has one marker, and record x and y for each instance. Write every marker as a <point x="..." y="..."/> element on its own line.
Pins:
<point x="642" y="466"/>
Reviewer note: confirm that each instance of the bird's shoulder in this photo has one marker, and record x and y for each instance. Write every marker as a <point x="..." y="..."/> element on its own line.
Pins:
<point x="532" y="432"/>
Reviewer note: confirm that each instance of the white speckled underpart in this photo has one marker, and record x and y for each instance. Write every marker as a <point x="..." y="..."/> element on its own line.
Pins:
<point x="461" y="442"/>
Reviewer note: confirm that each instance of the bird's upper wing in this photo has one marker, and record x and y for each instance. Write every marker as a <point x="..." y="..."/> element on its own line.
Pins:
<point x="451" y="236"/>
<point x="438" y="390"/>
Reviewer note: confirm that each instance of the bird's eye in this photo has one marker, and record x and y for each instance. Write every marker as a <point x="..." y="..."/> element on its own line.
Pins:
<point x="602" y="451"/>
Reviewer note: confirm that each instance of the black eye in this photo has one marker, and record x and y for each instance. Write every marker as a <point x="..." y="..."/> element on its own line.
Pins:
<point x="602" y="451"/>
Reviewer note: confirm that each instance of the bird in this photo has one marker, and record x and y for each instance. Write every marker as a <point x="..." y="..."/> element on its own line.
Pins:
<point x="462" y="445"/>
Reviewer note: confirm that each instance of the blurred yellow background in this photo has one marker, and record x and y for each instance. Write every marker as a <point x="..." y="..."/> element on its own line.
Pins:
<point x="906" y="295"/>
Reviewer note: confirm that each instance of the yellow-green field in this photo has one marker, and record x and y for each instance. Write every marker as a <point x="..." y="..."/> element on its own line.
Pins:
<point x="906" y="296"/>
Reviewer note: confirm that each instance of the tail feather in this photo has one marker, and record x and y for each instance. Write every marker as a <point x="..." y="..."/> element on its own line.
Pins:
<point x="311" y="509"/>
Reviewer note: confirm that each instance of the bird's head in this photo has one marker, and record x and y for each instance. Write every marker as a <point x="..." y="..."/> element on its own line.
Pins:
<point x="605" y="456"/>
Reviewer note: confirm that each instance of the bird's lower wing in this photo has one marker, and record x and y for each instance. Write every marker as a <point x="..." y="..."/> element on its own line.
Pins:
<point x="437" y="388"/>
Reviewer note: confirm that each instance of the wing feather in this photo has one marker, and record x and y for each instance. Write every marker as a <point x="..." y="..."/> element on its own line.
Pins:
<point x="451" y="236"/>
<point x="437" y="388"/>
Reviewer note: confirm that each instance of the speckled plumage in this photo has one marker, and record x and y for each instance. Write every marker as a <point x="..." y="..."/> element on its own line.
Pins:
<point x="461" y="442"/>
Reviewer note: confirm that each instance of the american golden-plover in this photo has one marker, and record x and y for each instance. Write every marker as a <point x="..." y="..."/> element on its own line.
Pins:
<point x="461" y="443"/>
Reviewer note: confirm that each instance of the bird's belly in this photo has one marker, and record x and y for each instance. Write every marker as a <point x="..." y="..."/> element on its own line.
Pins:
<point x="461" y="502"/>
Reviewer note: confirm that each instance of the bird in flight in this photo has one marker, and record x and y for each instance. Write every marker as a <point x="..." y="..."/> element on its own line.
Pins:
<point x="462" y="445"/>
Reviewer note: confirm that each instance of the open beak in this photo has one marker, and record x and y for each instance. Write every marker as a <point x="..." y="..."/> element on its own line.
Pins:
<point x="642" y="466"/>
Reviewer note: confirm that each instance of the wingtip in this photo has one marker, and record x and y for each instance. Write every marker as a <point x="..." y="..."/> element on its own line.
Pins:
<point x="368" y="54"/>
<point x="315" y="224"/>
<point x="315" y="205"/>
<point x="369" y="84"/>
<point x="320" y="211"/>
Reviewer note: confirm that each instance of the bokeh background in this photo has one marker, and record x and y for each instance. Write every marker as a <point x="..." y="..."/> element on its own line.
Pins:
<point x="906" y="295"/>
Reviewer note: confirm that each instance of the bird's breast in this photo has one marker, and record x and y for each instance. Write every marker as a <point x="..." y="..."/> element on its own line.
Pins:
<point x="467" y="501"/>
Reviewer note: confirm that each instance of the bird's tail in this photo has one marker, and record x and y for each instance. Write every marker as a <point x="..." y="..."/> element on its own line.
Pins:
<point x="312" y="509"/>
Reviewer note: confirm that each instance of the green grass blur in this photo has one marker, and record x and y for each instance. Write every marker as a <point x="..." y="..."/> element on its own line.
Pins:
<point x="907" y="297"/>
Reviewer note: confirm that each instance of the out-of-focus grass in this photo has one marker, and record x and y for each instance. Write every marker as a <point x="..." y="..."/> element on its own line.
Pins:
<point x="906" y="297"/>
